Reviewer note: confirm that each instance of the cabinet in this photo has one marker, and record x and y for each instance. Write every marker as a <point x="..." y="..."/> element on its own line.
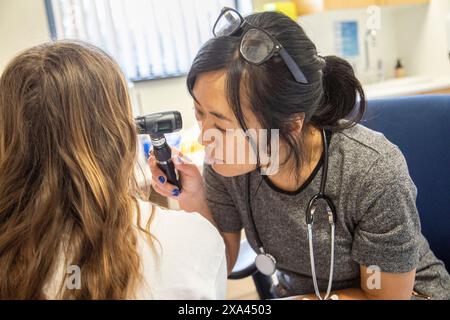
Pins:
<point x="402" y="2"/>
<point x="350" y="4"/>
<point x="439" y="91"/>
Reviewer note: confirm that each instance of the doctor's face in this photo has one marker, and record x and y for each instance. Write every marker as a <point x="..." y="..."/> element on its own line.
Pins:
<point x="226" y="147"/>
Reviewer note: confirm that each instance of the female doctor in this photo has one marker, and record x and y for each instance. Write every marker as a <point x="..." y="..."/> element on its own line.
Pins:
<point x="338" y="218"/>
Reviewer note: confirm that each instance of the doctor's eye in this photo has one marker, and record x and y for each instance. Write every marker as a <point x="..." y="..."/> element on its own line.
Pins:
<point x="198" y="113"/>
<point x="220" y="129"/>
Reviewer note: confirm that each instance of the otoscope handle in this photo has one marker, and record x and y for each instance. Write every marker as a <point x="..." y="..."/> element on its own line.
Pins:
<point x="169" y="170"/>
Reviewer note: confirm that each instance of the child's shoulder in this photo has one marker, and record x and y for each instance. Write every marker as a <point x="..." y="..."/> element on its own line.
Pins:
<point x="179" y="226"/>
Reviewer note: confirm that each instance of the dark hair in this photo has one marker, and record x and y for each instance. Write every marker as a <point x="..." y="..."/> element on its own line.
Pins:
<point x="275" y="97"/>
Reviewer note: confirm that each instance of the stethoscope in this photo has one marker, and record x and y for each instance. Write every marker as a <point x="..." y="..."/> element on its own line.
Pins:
<point x="266" y="263"/>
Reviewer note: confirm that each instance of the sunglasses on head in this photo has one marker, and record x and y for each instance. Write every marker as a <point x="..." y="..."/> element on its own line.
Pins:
<point x="257" y="45"/>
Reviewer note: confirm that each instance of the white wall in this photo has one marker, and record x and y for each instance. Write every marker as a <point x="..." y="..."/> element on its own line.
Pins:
<point x="423" y="39"/>
<point x="320" y="28"/>
<point x="416" y="34"/>
<point x="23" y="23"/>
<point x="419" y="35"/>
<point x="166" y="95"/>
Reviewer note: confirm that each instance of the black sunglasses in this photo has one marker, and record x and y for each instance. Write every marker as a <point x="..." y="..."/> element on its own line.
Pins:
<point x="257" y="45"/>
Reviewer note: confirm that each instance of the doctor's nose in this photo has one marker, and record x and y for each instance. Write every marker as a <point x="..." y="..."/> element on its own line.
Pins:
<point x="201" y="138"/>
<point x="202" y="141"/>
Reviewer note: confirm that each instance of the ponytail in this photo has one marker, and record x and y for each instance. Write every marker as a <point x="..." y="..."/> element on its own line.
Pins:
<point x="340" y="99"/>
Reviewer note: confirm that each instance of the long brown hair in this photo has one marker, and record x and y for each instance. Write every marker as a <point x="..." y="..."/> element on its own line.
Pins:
<point x="67" y="153"/>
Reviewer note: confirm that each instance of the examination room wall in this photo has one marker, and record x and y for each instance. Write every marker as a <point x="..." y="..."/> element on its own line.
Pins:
<point x="23" y="23"/>
<point x="416" y="34"/>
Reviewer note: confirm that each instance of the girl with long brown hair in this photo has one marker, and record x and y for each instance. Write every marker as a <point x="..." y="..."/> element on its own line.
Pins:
<point x="68" y="193"/>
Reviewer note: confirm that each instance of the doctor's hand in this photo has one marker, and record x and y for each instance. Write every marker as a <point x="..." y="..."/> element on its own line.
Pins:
<point x="192" y="196"/>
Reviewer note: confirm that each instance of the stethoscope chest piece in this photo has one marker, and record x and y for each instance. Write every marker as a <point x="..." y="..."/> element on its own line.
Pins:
<point x="266" y="264"/>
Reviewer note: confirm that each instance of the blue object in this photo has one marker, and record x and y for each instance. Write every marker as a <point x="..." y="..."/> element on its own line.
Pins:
<point x="419" y="126"/>
<point x="147" y="149"/>
<point x="176" y="192"/>
<point x="347" y="39"/>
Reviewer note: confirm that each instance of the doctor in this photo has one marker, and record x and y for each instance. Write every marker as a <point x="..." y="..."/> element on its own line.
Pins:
<point x="340" y="210"/>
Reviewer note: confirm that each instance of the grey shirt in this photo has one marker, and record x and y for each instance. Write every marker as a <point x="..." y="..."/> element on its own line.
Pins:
<point x="377" y="220"/>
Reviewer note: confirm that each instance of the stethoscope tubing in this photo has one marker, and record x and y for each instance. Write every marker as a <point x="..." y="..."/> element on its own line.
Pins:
<point x="331" y="210"/>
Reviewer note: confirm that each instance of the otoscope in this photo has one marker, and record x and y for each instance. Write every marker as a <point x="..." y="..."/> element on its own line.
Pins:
<point x="157" y="125"/>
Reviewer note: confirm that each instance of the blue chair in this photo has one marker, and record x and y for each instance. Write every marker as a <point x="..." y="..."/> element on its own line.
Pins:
<point x="420" y="127"/>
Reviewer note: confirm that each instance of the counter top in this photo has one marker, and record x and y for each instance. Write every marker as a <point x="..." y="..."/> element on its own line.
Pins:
<point x="406" y="86"/>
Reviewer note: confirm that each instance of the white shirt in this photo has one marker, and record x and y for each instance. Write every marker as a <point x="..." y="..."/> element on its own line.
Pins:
<point x="192" y="262"/>
<point x="187" y="261"/>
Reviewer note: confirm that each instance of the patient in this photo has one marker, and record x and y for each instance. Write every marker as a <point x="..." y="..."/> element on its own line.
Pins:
<point x="71" y="222"/>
